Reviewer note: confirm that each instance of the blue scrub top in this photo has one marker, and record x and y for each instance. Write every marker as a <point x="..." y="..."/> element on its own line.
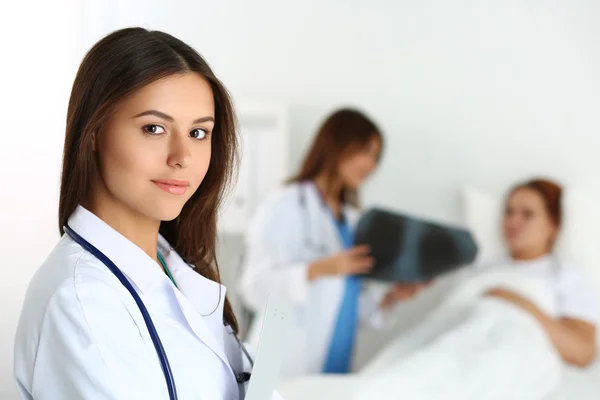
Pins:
<point x="341" y="347"/>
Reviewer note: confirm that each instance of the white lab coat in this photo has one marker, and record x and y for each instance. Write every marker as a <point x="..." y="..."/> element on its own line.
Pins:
<point x="290" y="230"/>
<point x="82" y="336"/>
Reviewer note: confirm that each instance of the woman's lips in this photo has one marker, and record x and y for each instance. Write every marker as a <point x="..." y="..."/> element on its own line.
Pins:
<point x="172" y="186"/>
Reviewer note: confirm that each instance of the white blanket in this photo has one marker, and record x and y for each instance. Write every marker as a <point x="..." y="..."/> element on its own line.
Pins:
<point x="471" y="347"/>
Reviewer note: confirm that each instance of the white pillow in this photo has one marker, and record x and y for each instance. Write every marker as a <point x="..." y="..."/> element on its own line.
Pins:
<point x="579" y="240"/>
<point x="483" y="217"/>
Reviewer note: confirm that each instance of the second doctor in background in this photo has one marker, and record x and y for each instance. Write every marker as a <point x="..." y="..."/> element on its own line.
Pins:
<point x="300" y="247"/>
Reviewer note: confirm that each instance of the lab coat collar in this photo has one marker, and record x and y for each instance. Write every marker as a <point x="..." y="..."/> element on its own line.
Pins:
<point x="142" y="271"/>
<point x="350" y="212"/>
<point x="315" y="202"/>
<point x="207" y="297"/>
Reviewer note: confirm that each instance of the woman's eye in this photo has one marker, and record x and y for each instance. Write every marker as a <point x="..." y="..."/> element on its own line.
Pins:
<point x="154" y="129"/>
<point x="198" y="133"/>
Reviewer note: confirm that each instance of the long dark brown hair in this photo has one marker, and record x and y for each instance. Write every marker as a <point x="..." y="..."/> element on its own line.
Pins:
<point x="343" y="132"/>
<point x="116" y="67"/>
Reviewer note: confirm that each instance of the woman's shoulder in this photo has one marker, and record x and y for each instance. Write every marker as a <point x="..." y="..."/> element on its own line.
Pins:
<point x="71" y="296"/>
<point x="71" y="264"/>
<point x="287" y="193"/>
<point x="283" y="200"/>
<point x="283" y="207"/>
<point x="571" y="270"/>
<point x="69" y="272"/>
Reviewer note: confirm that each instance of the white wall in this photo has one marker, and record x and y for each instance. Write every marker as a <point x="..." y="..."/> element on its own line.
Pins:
<point x="467" y="92"/>
<point x="40" y="52"/>
<point x="480" y="92"/>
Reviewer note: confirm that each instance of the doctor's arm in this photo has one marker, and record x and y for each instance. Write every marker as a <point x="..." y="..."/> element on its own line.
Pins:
<point x="90" y="347"/>
<point x="402" y="292"/>
<point x="377" y="301"/>
<point x="274" y="264"/>
<point x="354" y="261"/>
<point x="266" y="272"/>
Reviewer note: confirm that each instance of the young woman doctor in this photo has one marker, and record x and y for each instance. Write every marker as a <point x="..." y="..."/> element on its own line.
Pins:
<point x="300" y="246"/>
<point x="149" y="148"/>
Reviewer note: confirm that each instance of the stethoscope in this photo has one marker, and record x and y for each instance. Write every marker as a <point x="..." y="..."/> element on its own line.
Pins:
<point x="162" y="355"/>
<point x="309" y="242"/>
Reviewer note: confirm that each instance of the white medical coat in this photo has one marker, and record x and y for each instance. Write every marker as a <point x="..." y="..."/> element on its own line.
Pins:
<point x="82" y="336"/>
<point x="290" y="230"/>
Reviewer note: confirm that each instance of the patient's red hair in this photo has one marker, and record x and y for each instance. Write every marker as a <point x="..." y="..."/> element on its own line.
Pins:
<point x="550" y="192"/>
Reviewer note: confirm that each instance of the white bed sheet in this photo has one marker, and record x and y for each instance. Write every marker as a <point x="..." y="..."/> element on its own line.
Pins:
<point x="577" y="384"/>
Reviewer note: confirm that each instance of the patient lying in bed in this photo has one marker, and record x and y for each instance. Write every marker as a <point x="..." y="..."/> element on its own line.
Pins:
<point x="503" y="333"/>
<point x="531" y="223"/>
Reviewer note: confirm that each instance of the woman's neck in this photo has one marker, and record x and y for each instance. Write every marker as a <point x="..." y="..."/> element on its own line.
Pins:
<point x="137" y="228"/>
<point x="330" y="190"/>
<point x="529" y="255"/>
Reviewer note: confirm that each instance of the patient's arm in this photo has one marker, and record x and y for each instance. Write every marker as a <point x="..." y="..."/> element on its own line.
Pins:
<point x="574" y="339"/>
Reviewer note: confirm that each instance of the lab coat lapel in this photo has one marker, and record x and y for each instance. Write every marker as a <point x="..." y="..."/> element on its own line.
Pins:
<point x="322" y="221"/>
<point x="325" y="294"/>
<point x="200" y="299"/>
<point x="143" y="272"/>
<point x="353" y="216"/>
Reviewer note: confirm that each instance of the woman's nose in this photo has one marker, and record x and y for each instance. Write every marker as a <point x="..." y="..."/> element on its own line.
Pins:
<point x="179" y="152"/>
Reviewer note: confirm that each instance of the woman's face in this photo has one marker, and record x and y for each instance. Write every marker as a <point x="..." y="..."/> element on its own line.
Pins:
<point x="355" y="168"/>
<point x="155" y="149"/>
<point x="528" y="227"/>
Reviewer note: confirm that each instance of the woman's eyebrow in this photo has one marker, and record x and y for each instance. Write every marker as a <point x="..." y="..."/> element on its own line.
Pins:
<point x="167" y="117"/>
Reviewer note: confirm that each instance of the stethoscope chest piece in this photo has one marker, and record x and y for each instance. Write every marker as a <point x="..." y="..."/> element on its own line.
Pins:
<point x="242" y="377"/>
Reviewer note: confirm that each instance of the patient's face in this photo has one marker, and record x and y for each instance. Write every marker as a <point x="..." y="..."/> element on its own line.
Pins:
<point x="356" y="167"/>
<point x="528" y="229"/>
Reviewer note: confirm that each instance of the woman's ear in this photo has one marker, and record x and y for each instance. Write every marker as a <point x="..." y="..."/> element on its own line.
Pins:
<point x="554" y="234"/>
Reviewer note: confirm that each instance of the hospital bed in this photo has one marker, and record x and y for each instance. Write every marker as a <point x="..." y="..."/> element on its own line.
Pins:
<point x="579" y="384"/>
<point x="575" y="384"/>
